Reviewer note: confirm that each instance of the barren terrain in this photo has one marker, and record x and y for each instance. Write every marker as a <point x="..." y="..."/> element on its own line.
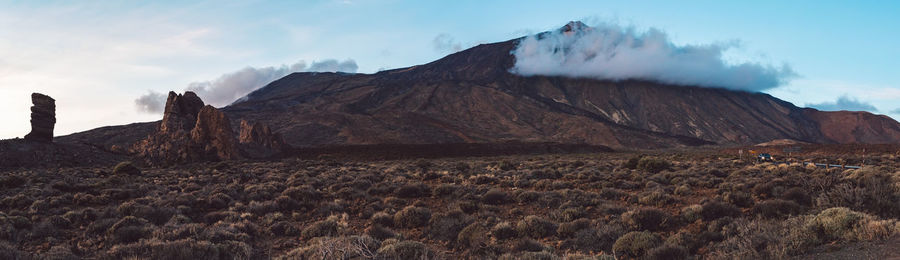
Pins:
<point x="703" y="204"/>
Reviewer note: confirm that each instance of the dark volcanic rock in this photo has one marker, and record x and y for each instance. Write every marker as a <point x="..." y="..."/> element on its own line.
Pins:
<point x="181" y="112"/>
<point x="43" y="117"/>
<point x="258" y="141"/>
<point x="213" y="131"/>
<point x="189" y="132"/>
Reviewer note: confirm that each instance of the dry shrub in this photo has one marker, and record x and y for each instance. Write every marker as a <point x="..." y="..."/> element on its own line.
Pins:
<point x="59" y="252"/>
<point x="586" y="240"/>
<point x="766" y="239"/>
<point x="568" y="229"/>
<point x="864" y="191"/>
<point x="12" y="181"/>
<point x="657" y="198"/>
<point x="536" y="227"/>
<point x="302" y="194"/>
<point x="542" y="255"/>
<point x="714" y="210"/>
<point x="380" y="232"/>
<point x="412" y="190"/>
<point x="472" y="236"/>
<point x="405" y="250"/>
<point x="797" y="195"/>
<point x="284" y="228"/>
<point x="738" y="198"/>
<point x="345" y="247"/>
<point x="503" y="231"/>
<point x="126" y="168"/>
<point x="691" y="213"/>
<point x="495" y="197"/>
<point x="650" y="219"/>
<point x="685" y="239"/>
<point x="636" y="244"/>
<point x="411" y="217"/>
<point x="324" y="228"/>
<point x="668" y="252"/>
<point x="776" y="208"/>
<point x="8" y="251"/>
<point x="382" y="218"/>
<point x="653" y="165"/>
<point x="446" y="225"/>
<point x="129" y="229"/>
<point x="526" y="245"/>
<point x="444" y="190"/>
<point x="849" y="225"/>
<point x="185" y="249"/>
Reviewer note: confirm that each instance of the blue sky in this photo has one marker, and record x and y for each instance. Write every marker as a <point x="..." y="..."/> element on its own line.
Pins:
<point x="96" y="58"/>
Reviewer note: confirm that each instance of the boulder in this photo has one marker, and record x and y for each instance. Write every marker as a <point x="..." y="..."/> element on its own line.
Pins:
<point x="43" y="118"/>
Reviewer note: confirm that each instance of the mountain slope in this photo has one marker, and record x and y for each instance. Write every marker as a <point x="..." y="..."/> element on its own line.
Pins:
<point x="471" y="97"/>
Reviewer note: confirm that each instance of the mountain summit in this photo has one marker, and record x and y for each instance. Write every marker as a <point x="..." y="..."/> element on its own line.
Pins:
<point x="472" y="97"/>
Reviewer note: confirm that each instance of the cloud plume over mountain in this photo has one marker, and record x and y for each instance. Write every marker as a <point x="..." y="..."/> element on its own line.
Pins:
<point x="229" y="87"/>
<point x="152" y="102"/>
<point x="614" y="52"/>
<point x="844" y="103"/>
<point x="444" y="43"/>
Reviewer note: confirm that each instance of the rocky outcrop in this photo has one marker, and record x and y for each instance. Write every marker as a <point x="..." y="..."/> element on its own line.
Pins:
<point x="213" y="130"/>
<point x="43" y="118"/>
<point x="181" y="112"/>
<point x="189" y="132"/>
<point x="258" y="141"/>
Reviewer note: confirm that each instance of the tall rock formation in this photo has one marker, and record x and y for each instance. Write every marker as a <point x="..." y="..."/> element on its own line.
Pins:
<point x="213" y="130"/>
<point x="181" y="112"/>
<point x="189" y="132"/>
<point x="43" y="117"/>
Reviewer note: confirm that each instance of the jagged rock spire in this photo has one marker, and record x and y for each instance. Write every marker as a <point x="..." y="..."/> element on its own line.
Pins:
<point x="43" y="118"/>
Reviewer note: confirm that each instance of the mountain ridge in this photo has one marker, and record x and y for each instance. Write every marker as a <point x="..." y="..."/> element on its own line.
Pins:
<point x="472" y="97"/>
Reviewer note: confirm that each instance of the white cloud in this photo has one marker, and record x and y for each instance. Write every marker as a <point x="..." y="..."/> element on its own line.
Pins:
<point x="610" y="51"/>
<point x="231" y="86"/>
<point x="444" y="43"/>
<point x="330" y="65"/>
<point x="844" y="102"/>
<point x="152" y="102"/>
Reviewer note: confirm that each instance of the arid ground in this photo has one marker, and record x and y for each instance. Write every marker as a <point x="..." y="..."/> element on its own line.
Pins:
<point x="700" y="204"/>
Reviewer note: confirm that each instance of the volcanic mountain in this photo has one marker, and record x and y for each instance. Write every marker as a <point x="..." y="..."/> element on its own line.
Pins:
<point x="472" y="97"/>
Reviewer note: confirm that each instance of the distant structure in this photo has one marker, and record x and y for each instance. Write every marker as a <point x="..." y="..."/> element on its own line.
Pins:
<point x="43" y="117"/>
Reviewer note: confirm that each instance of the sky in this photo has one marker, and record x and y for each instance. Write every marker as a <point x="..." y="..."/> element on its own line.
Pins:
<point x="97" y="58"/>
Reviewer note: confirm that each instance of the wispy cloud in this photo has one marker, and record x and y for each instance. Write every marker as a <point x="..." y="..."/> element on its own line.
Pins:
<point x="844" y="102"/>
<point x="152" y="102"/>
<point x="231" y="86"/>
<point x="444" y="43"/>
